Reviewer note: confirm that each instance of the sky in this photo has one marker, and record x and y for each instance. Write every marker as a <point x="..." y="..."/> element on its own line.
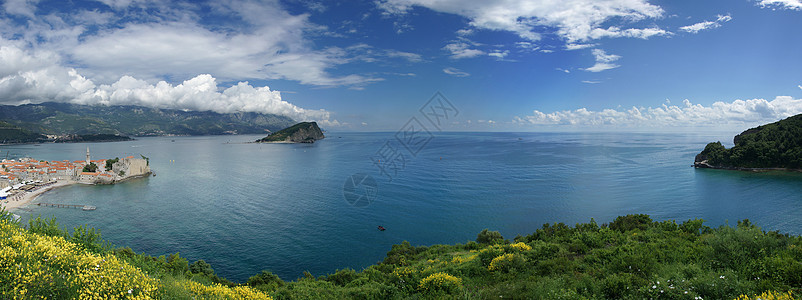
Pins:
<point x="507" y="65"/>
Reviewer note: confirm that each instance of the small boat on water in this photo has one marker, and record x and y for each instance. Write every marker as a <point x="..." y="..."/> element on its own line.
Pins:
<point x="382" y="228"/>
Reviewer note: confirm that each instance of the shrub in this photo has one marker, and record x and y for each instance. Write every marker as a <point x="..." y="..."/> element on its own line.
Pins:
<point x="440" y="282"/>
<point x="768" y="295"/>
<point x="489" y="237"/>
<point x="201" y="267"/>
<point x="631" y="222"/>
<point x="342" y="277"/>
<point x="265" y="281"/>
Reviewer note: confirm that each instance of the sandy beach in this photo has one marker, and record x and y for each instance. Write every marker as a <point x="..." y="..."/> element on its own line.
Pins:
<point x="23" y="198"/>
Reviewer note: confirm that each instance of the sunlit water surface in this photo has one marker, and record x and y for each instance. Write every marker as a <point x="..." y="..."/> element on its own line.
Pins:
<point x="280" y="207"/>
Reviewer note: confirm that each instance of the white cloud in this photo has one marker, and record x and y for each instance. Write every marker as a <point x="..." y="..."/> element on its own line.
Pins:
<point x="498" y="54"/>
<point x="800" y="87"/>
<point x="695" y="28"/>
<point x="456" y="72"/>
<point x="571" y="46"/>
<point x="254" y="40"/>
<point x="591" y="81"/>
<point x="738" y="112"/>
<point x="411" y="57"/>
<point x="33" y="77"/>
<point x="604" y="61"/>
<point x="20" y="7"/>
<point x="784" y="4"/>
<point x="462" y="50"/>
<point x="573" y="20"/>
<point x="615" y="32"/>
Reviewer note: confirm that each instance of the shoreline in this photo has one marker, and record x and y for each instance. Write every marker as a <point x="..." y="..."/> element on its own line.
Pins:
<point x="17" y="201"/>
<point x="705" y="165"/>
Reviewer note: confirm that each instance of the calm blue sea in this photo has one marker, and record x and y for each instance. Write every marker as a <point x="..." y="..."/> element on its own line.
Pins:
<point x="281" y="207"/>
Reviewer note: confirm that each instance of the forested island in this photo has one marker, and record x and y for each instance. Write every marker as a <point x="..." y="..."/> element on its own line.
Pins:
<point x="304" y="132"/>
<point x="632" y="257"/>
<point x="772" y="146"/>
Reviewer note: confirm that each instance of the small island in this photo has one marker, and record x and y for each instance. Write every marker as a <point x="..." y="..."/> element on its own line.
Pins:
<point x="775" y="146"/>
<point x="304" y="132"/>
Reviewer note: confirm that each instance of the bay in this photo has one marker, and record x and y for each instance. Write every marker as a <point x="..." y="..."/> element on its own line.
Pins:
<point x="249" y="207"/>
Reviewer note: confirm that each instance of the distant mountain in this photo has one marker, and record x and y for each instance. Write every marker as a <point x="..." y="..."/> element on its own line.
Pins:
<point x="304" y="132"/>
<point x="774" y="146"/>
<point x="72" y="119"/>
<point x="13" y="134"/>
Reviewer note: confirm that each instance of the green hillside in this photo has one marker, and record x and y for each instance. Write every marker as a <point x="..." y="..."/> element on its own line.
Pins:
<point x="775" y="145"/>
<point x="13" y="134"/>
<point x="63" y="118"/>
<point x="632" y="257"/>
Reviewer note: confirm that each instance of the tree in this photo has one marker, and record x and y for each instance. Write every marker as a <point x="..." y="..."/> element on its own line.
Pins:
<point x="110" y="163"/>
<point x="489" y="237"/>
<point x="91" y="167"/>
<point x="201" y="267"/>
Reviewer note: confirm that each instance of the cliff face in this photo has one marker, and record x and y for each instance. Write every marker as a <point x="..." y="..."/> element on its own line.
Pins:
<point x="304" y="132"/>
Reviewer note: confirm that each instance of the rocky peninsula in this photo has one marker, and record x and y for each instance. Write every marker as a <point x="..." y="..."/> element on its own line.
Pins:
<point x="22" y="180"/>
<point x="304" y="132"/>
<point x="774" y="146"/>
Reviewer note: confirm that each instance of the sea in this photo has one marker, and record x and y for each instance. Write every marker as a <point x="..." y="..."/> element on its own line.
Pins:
<point x="290" y="208"/>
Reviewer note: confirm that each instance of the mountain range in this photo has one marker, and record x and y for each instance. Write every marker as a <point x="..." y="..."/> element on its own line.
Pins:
<point x="60" y="119"/>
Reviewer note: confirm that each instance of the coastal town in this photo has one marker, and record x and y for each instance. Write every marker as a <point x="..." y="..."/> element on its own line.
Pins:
<point x="21" y="180"/>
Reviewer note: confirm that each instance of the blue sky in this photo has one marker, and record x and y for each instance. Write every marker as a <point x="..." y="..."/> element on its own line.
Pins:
<point x="370" y="65"/>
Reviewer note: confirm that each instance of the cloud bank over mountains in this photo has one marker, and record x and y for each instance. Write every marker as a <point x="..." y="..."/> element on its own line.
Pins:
<point x="35" y="77"/>
<point x="137" y="52"/>
<point x="737" y="113"/>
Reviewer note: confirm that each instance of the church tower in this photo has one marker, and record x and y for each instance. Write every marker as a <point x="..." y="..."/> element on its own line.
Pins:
<point x="87" y="156"/>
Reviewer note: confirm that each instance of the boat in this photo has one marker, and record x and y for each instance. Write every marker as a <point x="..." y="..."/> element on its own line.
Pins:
<point x="88" y="207"/>
<point x="382" y="228"/>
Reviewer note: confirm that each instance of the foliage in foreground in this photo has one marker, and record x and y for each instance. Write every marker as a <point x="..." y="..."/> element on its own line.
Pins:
<point x="633" y="257"/>
<point x="45" y="262"/>
<point x="630" y="258"/>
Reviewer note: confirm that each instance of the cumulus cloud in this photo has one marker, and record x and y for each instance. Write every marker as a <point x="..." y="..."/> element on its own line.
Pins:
<point x="604" y="61"/>
<point x="20" y="7"/>
<point x="783" y="4"/>
<point x="738" y="112"/>
<point x="253" y="40"/>
<point x="33" y="77"/>
<point x="573" y="20"/>
<point x="695" y="28"/>
<point x="456" y="72"/>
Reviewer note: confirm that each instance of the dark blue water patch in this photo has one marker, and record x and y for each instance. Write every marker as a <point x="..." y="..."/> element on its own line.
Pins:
<point x="250" y="207"/>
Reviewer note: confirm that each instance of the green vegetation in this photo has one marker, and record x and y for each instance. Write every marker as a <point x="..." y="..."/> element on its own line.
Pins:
<point x="86" y="120"/>
<point x="13" y="134"/>
<point x="91" y="167"/>
<point x="77" y="138"/>
<point x="110" y="163"/>
<point x="46" y="262"/>
<point x="633" y="257"/>
<point x="304" y="132"/>
<point x="775" y="145"/>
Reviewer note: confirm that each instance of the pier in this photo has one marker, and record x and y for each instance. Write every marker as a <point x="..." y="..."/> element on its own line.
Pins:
<point x="84" y="207"/>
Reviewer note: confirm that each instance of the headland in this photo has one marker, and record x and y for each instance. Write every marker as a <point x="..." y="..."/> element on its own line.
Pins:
<point x="22" y="180"/>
